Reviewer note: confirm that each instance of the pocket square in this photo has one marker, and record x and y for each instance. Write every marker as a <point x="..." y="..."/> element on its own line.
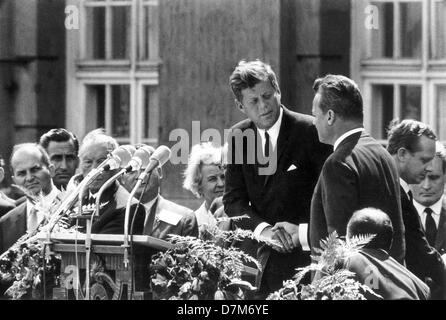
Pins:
<point x="292" y="167"/>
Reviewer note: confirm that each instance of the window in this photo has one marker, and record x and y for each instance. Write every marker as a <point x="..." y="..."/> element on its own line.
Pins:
<point x="398" y="58"/>
<point x="113" y="66"/>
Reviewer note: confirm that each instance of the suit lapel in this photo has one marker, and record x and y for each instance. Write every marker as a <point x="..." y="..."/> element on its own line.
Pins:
<point x="151" y="219"/>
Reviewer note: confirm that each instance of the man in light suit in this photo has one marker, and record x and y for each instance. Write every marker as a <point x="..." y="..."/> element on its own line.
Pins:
<point x="359" y="174"/>
<point x="430" y="202"/>
<point x="32" y="170"/>
<point x="162" y="217"/>
<point x="274" y="159"/>
<point x="412" y="145"/>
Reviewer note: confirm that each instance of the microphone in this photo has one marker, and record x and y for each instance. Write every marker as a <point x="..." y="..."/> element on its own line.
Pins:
<point x="140" y="159"/>
<point x="119" y="157"/>
<point x="158" y="159"/>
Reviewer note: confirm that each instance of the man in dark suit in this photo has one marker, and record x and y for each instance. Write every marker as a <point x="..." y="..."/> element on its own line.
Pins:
<point x="360" y="173"/>
<point x="430" y="202"/>
<point x="62" y="147"/>
<point x="6" y="203"/>
<point x="372" y="264"/>
<point x="32" y="171"/>
<point x="162" y="217"/>
<point x="93" y="151"/>
<point x="412" y="145"/>
<point x="274" y="159"/>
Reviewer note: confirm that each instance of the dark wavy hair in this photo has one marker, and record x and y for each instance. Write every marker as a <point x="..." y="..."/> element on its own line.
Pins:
<point x="249" y="73"/>
<point x="59" y="135"/>
<point x="406" y="134"/>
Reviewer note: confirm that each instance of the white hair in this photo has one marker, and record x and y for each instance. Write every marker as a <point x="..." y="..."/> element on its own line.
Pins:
<point x="98" y="136"/>
<point x="201" y="154"/>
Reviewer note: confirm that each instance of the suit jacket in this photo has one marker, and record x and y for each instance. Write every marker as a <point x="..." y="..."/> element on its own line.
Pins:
<point x="440" y="241"/>
<point x="385" y="276"/>
<point x="12" y="227"/>
<point x="421" y="259"/>
<point x="359" y="174"/>
<point x="112" y="213"/>
<point x="186" y="226"/>
<point x="282" y="196"/>
<point x="6" y="204"/>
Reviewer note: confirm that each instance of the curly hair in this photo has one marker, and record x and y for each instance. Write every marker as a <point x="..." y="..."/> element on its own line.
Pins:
<point x="201" y="154"/>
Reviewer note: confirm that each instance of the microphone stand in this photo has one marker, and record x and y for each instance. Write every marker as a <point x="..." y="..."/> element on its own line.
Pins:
<point x="126" y="246"/>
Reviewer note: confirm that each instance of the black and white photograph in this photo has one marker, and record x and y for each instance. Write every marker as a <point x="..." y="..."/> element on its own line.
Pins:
<point x="245" y="151"/>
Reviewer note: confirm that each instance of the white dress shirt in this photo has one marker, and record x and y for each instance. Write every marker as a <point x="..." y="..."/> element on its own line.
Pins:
<point x="436" y="210"/>
<point x="273" y="132"/>
<point x="274" y="135"/>
<point x="33" y="217"/>
<point x="344" y="136"/>
<point x="405" y="187"/>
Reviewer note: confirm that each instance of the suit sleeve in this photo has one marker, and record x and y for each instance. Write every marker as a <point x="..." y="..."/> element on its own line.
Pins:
<point x="339" y="195"/>
<point x="236" y="198"/>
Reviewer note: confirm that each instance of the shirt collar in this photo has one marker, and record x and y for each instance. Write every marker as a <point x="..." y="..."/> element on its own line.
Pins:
<point x="436" y="207"/>
<point x="405" y="186"/>
<point x="48" y="198"/>
<point x="148" y="205"/>
<point x="345" y="135"/>
<point x="273" y="131"/>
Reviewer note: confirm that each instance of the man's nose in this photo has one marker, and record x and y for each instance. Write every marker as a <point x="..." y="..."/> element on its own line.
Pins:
<point x="425" y="184"/>
<point x="29" y="176"/>
<point x="220" y="182"/>
<point x="63" y="163"/>
<point x="263" y="105"/>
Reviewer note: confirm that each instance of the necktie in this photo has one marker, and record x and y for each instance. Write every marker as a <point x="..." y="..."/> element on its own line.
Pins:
<point x="149" y="223"/>
<point x="267" y="144"/>
<point x="31" y="221"/>
<point x="430" y="226"/>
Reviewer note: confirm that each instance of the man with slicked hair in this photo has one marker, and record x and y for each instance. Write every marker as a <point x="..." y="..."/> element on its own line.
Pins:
<point x="62" y="147"/>
<point x="360" y="173"/>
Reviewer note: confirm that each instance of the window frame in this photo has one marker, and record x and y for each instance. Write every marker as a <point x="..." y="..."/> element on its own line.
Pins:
<point x="82" y="72"/>
<point x="426" y="71"/>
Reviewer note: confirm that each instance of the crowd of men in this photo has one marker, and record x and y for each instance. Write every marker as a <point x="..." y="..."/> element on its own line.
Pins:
<point x="307" y="176"/>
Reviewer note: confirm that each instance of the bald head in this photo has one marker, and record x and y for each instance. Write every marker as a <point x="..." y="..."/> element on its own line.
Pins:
<point x="372" y="221"/>
<point x="31" y="168"/>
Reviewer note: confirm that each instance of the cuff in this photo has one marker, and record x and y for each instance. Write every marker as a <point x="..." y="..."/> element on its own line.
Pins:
<point x="303" y="236"/>
<point x="258" y="230"/>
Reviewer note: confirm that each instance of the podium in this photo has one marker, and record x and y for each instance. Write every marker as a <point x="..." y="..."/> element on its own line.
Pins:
<point x="110" y="279"/>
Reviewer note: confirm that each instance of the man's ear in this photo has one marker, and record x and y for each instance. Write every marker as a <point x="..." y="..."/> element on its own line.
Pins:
<point x="239" y="105"/>
<point x="160" y="173"/>
<point x="2" y="174"/>
<point x="331" y="117"/>
<point x="402" y="154"/>
<point x="52" y="170"/>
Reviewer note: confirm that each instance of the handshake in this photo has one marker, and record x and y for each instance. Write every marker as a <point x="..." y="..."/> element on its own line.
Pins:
<point x="284" y="234"/>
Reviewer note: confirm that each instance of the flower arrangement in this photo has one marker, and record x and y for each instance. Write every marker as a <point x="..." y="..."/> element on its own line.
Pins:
<point x="331" y="281"/>
<point x="196" y="269"/>
<point x="28" y="267"/>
